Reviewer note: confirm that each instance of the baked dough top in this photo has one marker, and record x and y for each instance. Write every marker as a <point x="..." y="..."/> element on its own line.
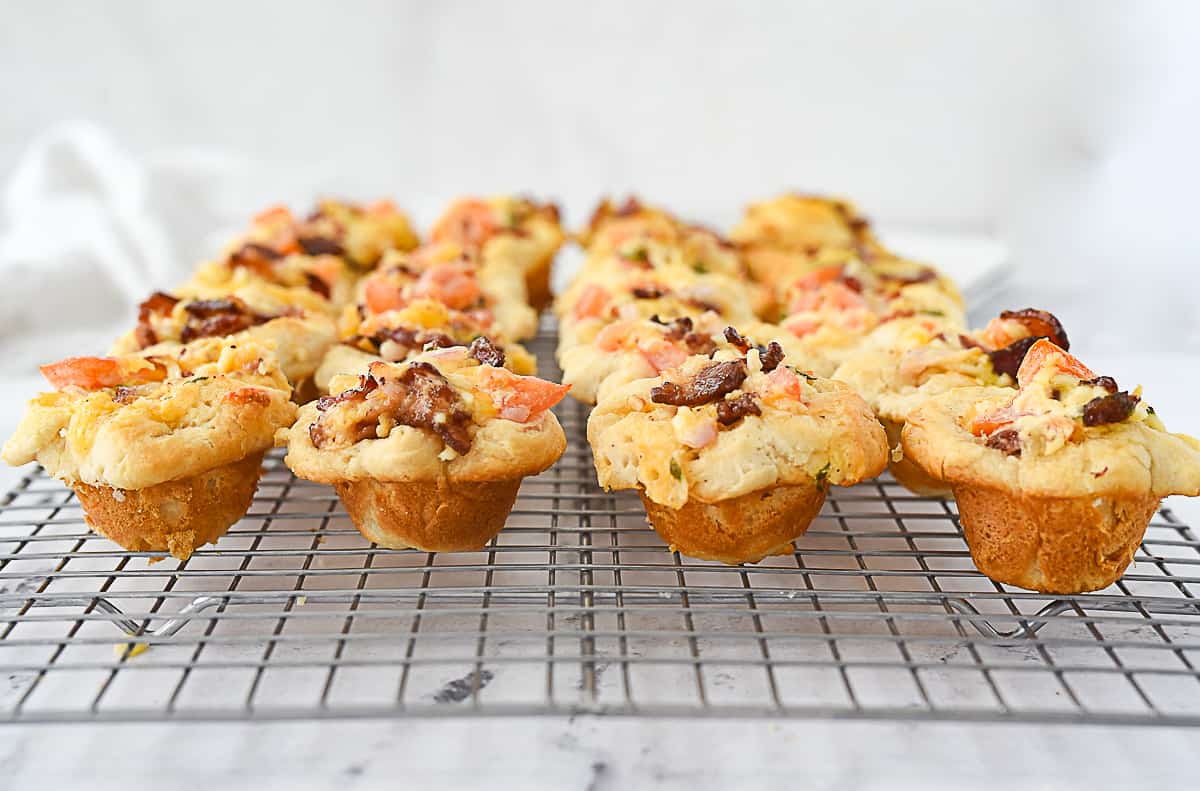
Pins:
<point x="216" y="403"/>
<point x="1126" y="458"/>
<point x="809" y="429"/>
<point x="511" y="431"/>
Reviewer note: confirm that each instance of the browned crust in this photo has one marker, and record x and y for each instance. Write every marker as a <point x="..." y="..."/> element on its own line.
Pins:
<point x="537" y="283"/>
<point x="434" y="516"/>
<point x="743" y="529"/>
<point x="1052" y="545"/>
<point x="908" y="473"/>
<point x="177" y="516"/>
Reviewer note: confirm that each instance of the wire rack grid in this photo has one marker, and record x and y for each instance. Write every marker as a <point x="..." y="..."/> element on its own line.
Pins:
<point x="577" y="607"/>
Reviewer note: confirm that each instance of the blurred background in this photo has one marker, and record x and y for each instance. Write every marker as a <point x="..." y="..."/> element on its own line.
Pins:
<point x="1056" y="138"/>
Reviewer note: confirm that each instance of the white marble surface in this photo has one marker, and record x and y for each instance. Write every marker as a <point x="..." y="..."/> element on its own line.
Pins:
<point x="595" y="754"/>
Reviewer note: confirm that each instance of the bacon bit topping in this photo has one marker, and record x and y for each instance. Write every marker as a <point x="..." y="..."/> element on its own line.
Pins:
<point x="209" y="318"/>
<point x="1107" y="382"/>
<point x="731" y="410"/>
<point x="420" y="397"/>
<point x="317" y="285"/>
<point x="1008" y="360"/>
<point x="319" y="245"/>
<point x="124" y="395"/>
<point x="924" y="276"/>
<point x="676" y="328"/>
<point x="1040" y="323"/>
<point x="486" y="352"/>
<point x="737" y="340"/>
<point x="158" y="304"/>
<point x="1112" y="408"/>
<point x="1007" y="441"/>
<point x="649" y="291"/>
<point x="771" y="357"/>
<point x="258" y="258"/>
<point x="711" y="384"/>
<point x="405" y="340"/>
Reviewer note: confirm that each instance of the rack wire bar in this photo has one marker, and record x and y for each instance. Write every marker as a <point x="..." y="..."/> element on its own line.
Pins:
<point x="577" y="608"/>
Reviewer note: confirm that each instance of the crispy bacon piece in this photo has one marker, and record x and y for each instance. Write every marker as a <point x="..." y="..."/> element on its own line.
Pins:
<point x="317" y="285"/>
<point x="320" y="245"/>
<point x="409" y="340"/>
<point x="158" y="304"/>
<point x="1007" y="441"/>
<point x="420" y="397"/>
<point x="649" y="291"/>
<point x="924" y="276"/>
<point x="1107" y="382"/>
<point x="731" y="410"/>
<point x="486" y="352"/>
<point x="676" y="328"/>
<point x="737" y="340"/>
<point x="1040" y="323"/>
<point x="258" y="258"/>
<point x="1111" y="408"/>
<point x="771" y="357"/>
<point x="1008" y="360"/>
<point x="711" y="384"/>
<point x="210" y="318"/>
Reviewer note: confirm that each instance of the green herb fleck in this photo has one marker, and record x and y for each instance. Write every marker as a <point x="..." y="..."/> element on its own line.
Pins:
<point x="699" y="268"/>
<point x="639" y="254"/>
<point x="933" y="313"/>
<point x="823" y="476"/>
<point x="676" y="471"/>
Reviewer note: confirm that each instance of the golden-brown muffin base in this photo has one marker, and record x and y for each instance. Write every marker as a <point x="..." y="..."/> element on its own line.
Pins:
<point x="537" y="284"/>
<point x="906" y="472"/>
<point x="743" y="529"/>
<point x="177" y="516"/>
<point x="434" y="516"/>
<point x="1052" y="545"/>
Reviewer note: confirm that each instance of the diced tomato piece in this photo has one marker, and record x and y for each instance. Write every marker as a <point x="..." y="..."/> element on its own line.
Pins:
<point x="383" y="294"/>
<point x="1045" y="353"/>
<point x="94" y="373"/>
<point x="453" y="283"/>
<point x="801" y="326"/>
<point x="784" y="381"/>
<point x="609" y="339"/>
<point x="593" y="299"/>
<point x="818" y="277"/>
<point x="519" y="398"/>
<point x="663" y="355"/>
<point x="987" y="424"/>
<point x="469" y="222"/>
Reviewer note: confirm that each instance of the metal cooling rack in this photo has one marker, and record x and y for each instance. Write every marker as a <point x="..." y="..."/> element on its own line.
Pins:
<point x="577" y="607"/>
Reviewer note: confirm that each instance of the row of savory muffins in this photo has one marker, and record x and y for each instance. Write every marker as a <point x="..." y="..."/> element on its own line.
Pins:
<point x="163" y="439"/>
<point x="1056" y="471"/>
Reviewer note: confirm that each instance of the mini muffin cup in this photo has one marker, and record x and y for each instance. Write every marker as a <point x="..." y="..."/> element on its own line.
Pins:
<point x="434" y="516"/>
<point x="174" y="517"/>
<point x="908" y="473"/>
<point x="742" y="529"/>
<point x="1052" y="545"/>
